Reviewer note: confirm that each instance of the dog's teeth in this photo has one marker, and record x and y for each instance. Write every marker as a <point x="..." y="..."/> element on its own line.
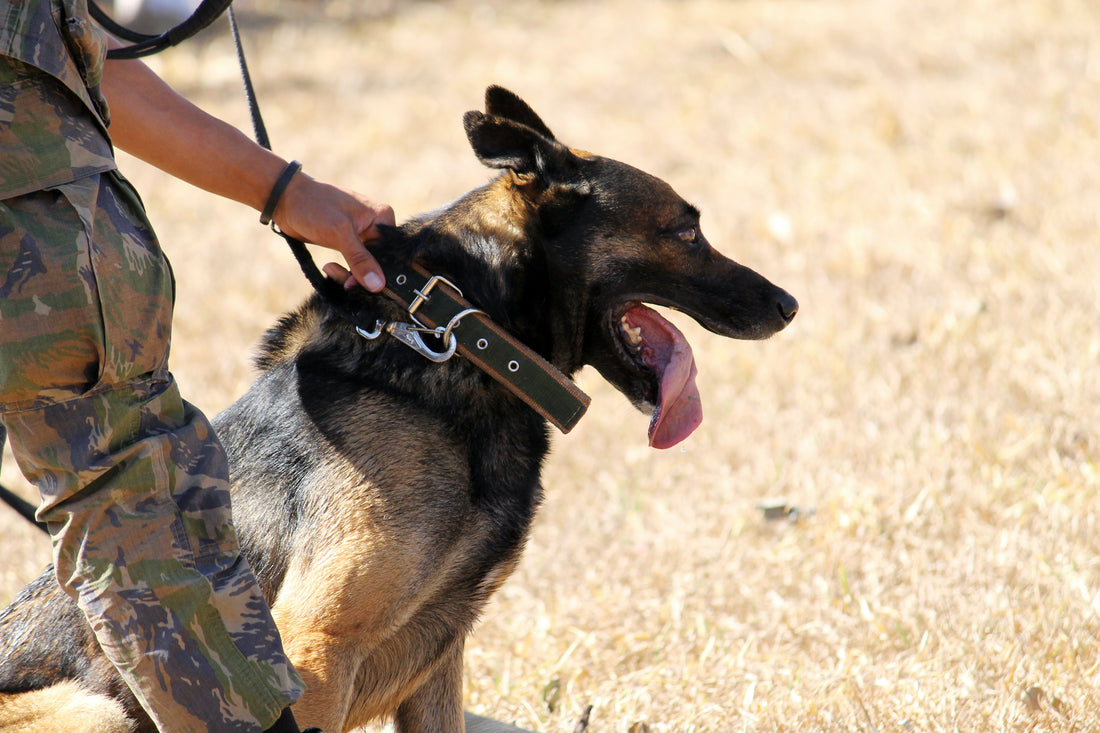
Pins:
<point x="634" y="333"/>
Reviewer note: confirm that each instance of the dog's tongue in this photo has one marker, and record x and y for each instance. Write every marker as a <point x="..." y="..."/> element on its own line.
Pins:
<point x="665" y="350"/>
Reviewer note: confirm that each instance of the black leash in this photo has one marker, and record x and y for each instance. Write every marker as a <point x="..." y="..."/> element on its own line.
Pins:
<point x="144" y="44"/>
<point x="258" y="126"/>
<point x="333" y="293"/>
<point x="20" y="505"/>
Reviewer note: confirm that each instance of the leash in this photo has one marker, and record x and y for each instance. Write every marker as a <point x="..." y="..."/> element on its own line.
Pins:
<point x="23" y="507"/>
<point x="144" y="44"/>
<point x="435" y="307"/>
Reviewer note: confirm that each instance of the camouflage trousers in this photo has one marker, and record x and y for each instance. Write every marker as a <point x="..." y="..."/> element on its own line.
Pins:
<point x="134" y="482"/>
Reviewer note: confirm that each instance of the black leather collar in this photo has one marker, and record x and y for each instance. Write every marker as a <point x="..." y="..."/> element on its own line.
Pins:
<point x="436" y="306"/>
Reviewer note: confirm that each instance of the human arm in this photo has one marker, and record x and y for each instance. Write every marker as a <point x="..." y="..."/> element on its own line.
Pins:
<point x="153" y="122"/>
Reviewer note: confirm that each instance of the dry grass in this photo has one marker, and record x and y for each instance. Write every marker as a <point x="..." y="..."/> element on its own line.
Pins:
<point x="922" y="176"/>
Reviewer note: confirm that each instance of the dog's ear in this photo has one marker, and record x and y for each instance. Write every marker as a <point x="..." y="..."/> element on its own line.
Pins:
<point x="500" y="142"/>
<point x="500" y="102"/>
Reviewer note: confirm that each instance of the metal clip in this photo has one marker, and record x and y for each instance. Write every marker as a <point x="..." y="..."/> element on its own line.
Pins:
<point x="379" y="327"/>
<point x="409" y="335"/>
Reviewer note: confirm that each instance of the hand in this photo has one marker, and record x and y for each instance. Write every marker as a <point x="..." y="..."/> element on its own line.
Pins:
<point x="342" y="220"/>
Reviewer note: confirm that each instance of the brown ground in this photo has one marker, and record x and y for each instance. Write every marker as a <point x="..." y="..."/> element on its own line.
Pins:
<point x="922" y="176"/>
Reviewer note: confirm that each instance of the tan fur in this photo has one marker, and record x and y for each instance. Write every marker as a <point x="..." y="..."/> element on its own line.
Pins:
<point x="372" y="582"/>
<point x="294" y="339"/>
<point x="64" y="708"/>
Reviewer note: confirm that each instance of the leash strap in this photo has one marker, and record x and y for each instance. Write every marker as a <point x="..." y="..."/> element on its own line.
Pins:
<point x="19" y="504"/>
<point x="144" y="44"/>
<point x="434" y="303"/>
<point x="249" y="91"/>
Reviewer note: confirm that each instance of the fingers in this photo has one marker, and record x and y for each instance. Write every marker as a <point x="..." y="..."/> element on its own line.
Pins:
<point x="364" y="268"/>
<point x="340" y="274"/>
<point x="332" y="217"/>
<point x="383" y="216"/>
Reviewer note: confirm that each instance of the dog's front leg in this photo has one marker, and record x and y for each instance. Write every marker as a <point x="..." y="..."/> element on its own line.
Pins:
<point x="436" y="707"/>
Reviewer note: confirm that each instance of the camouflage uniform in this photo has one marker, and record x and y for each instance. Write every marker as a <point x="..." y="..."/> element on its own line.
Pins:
<point x="133" y="480"/>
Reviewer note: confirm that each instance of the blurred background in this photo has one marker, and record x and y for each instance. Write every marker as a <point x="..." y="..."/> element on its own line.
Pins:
<point x="889" y="519"/>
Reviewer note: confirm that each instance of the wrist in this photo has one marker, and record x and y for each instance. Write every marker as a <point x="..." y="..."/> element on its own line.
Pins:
<point x="277" y="191"/>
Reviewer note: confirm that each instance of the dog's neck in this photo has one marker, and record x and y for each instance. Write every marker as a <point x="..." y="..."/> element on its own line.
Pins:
<point x="491" y="245"/>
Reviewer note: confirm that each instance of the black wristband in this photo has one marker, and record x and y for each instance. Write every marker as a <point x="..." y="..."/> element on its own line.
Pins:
<point x="278" y="190"/>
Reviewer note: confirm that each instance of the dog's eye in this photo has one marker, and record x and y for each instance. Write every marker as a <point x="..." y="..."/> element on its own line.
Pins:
<point x="688" y="236"/>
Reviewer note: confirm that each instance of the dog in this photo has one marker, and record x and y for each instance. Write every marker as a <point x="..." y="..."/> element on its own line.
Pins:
<point x="381" y="497"/>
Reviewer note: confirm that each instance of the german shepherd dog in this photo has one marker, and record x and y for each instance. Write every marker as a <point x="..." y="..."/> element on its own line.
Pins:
<point x="381" y="498"/>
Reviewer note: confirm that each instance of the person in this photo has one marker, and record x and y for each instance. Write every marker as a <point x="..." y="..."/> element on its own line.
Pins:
<point x="134" y="483"/>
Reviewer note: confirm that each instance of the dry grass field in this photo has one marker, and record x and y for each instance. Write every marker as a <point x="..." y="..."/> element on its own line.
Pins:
<point x="923" y="176"/>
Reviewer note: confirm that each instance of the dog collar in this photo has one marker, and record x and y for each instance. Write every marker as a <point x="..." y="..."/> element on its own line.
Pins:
<point x="436" y="307"/>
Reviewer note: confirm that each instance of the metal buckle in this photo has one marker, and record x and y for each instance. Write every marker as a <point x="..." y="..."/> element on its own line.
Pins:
<point x="424" y="295"/>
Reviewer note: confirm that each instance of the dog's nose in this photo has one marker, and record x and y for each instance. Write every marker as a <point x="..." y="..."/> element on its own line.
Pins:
<point x="788" y="306"/>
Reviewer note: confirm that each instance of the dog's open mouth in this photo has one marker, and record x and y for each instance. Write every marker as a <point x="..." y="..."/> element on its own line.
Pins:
<point x="658" y="347"/>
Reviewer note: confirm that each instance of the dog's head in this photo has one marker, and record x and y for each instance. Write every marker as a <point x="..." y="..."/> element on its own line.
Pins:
<point x="616" y="238"/>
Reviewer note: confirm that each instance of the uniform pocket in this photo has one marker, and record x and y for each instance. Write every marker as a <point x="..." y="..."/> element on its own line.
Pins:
<point x="51" y="333"/>
<point x="87" y="293"/>
<point x="135" y="285"/>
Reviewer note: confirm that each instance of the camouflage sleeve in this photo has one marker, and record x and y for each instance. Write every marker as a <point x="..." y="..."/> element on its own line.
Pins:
<point x="59" y="38"/>
<point x="52" y="115"/>
<point x="46" y="138"/>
